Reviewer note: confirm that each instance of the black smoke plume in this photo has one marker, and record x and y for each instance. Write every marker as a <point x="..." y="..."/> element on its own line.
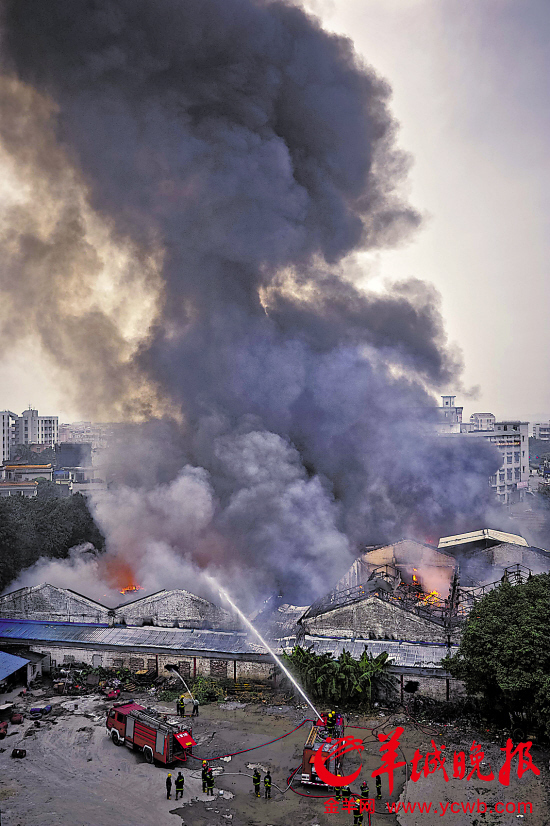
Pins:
<point x="237" y="155"/>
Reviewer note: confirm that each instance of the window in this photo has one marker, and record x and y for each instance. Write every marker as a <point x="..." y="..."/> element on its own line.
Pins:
<point x="68" y="658"/>
<point x="152" y="663"/>
<point x="509" y="474"/>
<point x="516" y="456"/>
<point x="517" y="474"/>
<point x="119" y="717"/>
<point x="118" y="663"/>
<point x="184" y="669"/>
<point x="136" y="664"/>
<point x="218" y="668"/>
<point x="509" y="458"/>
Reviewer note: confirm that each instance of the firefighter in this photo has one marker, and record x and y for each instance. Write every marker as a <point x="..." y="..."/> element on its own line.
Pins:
<point x="338" y="790"/>
<point x="331" y="723"/>
<point x="346" y="791"/>
<point x="210" y="782"/>
<point x="378" y="787"/>
<point x="179" y="785"/>
<point x="364" y="790"/>
<point x="357" y="814"/>
<point x="195" y="707"/>
<point x="204" y="775"/>
<point x="256" y="780"/>
<point x="181" y="706"/>
<point x="169" y="787"/>
<point x="267" y="785"/>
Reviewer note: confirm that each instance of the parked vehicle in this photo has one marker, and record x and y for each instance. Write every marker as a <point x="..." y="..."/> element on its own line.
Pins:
<point x="148" y="731"/>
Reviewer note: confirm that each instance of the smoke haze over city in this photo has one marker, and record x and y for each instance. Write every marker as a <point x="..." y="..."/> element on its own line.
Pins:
<point x="187" y="184"/>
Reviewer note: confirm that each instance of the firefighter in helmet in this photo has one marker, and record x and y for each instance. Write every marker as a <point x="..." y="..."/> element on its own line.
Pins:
<point x="338" y="790"/>
<point x="210" y="782"/>
<point x="267" y="785"/>
<point x="204" y="776"/>
<point x="357" y="813"/>
<point x="364" y="790"/>
<point x="331" y="723"/>
<point x="256" y="779"/>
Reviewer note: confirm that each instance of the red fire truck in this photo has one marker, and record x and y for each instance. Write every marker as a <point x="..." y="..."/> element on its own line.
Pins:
<point x="142" y="728"/>
<point x="316" y="738"/>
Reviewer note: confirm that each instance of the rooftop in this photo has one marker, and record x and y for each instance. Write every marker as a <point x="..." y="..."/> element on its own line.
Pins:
<point x="9" y="663"/>
<point x="401" y="652"/>
<point x="146" y="638"/>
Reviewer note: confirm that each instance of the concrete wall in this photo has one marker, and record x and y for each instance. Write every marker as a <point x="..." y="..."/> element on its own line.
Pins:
<point x="375" y="619"/>
<point x="172" y="608"/>
<point x="199" y="665"/>
<point x="46" y="602"/>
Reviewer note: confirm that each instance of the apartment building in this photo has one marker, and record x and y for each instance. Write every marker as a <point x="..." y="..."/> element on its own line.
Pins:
<point x="32" y="429"/>
<point x="541" y="430"/>
<point x="482" y="421"/>
<point x="7" y="424"/>
<point x="512" y="439"/>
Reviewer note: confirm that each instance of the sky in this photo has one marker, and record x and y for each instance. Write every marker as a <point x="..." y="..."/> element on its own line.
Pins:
<point x="470" y="90"/>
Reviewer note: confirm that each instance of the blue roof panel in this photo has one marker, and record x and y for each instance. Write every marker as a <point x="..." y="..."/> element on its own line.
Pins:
<point x="9" y="663"/>
<point x="132" y="637"/>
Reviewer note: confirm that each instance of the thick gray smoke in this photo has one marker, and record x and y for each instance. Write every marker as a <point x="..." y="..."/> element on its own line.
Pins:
<point x="238" y="155"/>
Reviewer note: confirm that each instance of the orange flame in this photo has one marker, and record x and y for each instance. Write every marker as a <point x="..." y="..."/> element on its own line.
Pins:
<point x="431" y="598"/>
<point x="118" y="574"/>
<point x="129" y="588"/>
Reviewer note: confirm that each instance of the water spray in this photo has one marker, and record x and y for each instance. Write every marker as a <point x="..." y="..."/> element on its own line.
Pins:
<point x="249" y="625"/>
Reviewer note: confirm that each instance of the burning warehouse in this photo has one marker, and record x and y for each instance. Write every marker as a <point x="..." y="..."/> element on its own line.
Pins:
<point x="408" y="599"/>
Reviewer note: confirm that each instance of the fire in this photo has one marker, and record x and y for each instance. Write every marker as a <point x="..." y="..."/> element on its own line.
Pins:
<point x="128" y="589"/>
<point x="431" y="598"/>
<point x="118" y="574"/>
<point x="414" y="576"/>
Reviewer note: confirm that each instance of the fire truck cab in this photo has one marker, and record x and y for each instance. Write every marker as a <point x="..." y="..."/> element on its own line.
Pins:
<point x="141" y="728"/>
<point x="317" y="738"/>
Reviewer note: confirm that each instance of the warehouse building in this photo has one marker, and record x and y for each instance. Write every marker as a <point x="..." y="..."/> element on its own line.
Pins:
<point x="220" y="654"/>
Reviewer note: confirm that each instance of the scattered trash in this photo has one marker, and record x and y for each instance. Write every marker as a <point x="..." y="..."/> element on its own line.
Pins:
<point x="19" y="753"/>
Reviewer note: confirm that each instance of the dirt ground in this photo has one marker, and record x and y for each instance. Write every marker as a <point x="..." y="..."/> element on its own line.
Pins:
<point x="74" y="775"/>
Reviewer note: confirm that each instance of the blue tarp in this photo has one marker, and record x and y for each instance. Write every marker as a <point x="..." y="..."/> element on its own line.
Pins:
<point x="9" y="663"/>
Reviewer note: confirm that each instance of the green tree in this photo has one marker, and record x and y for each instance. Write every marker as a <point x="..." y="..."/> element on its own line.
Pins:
<point x="344" y="681"/>
<point x="44" y="526"/>
<point x="504" y="656"/>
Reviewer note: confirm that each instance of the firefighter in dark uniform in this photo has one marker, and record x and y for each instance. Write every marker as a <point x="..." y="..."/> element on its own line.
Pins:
<point x="338" y="790"/>
<point x="364" y="790"/>
<point x="346" y="791"/>
<point x="210" y="782"/>
<point x="169" y="787"/>
<point x="256" y="780"/>
<point x="179" y="785"/>
<point x="378" y="787"/>
<point x="267" y="785"/>
<point x="331" y="723"/>
<point x="204" y="775"/>
<point x="357" y="814"/>
<point x="181" y="706"/>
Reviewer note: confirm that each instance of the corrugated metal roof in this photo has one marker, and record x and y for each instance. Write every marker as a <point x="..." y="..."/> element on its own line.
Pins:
<point x="9" y="663"/>
<point x="129" y="637"/>
<point x="421" y="655"/>
<point x="476" y="536"/>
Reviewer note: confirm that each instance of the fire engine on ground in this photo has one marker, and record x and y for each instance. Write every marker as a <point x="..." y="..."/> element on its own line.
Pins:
<point x="148" y="731"/>
<point x="316" y="737"/>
